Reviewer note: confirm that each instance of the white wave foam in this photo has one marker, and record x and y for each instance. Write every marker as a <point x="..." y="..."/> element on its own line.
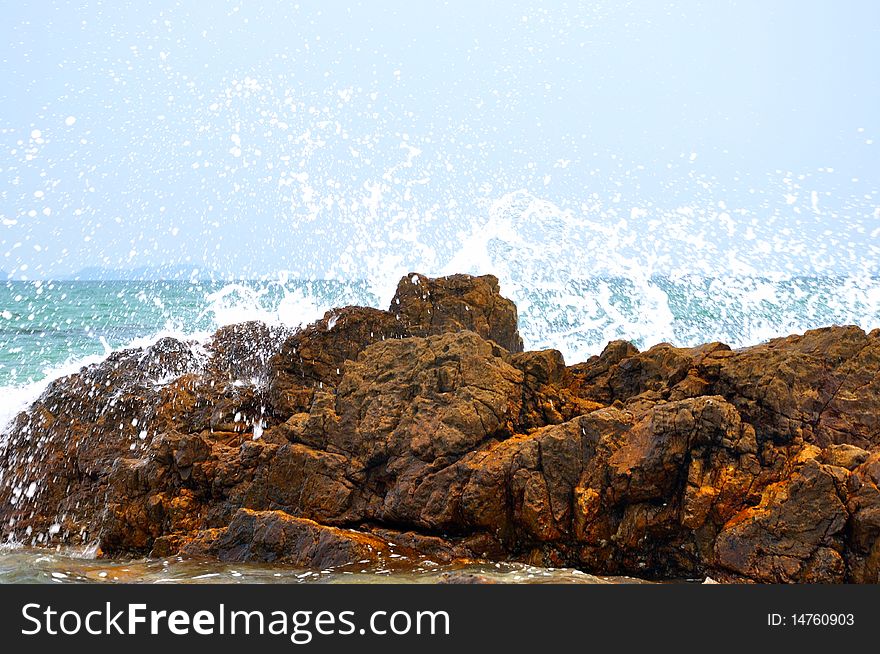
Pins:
<point x="575" y="275"/>
<point x="579" y="281"/>
<point x="234" y="303"/>
<point x="16" y="398"/>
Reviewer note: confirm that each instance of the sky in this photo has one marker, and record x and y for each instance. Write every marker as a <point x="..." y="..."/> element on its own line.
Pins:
<point x="338" y="139"/>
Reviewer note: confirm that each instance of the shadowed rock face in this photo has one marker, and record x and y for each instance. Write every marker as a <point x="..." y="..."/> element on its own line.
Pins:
<point x="426" y="430"/>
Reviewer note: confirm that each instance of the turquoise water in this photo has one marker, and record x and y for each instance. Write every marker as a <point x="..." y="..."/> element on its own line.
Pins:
<point x="44" y="325"/>
<point x="47" y="327"/>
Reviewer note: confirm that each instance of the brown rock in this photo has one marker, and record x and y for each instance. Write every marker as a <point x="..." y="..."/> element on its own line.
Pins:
<point x="277" y="537"/>
<point x="863" y="544"/>
<point x="793" y="534"/>
<point x="316" y="356"/>
<point x="426" y="430"/>
<point x="547" y="395"/>
<point x="448" y="304"/>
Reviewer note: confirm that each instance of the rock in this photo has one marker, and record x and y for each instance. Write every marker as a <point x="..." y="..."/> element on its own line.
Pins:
<point x="277" y="537"/>
<point x="845" y="456"/>
<point x="427" y="431"/>
<point x="863" y="507"/>
<point x="448" y="304"/>
<point x="242" y="352"/>
<point x="819" y="387"/>
<point x="590" y="379"/>
<point x="435" y="548"/>
<point x="547" y="396"/>
<point x="792" y="535"/>
<point x="316" y="356"/>
<point x="809" y="387"/>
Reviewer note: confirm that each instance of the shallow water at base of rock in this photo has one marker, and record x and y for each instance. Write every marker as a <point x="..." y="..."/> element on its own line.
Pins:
<point x="26" y="565"/>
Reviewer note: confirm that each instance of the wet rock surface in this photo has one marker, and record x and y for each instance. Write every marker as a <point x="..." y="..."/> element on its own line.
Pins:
<point x="426" y="431"/>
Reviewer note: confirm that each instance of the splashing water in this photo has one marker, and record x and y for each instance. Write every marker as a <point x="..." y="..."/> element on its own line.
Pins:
<point x="580" y="278"/>
<point x="578" y="286"/>
<point x="53" y="328"/>
<point x="166" y="171"/>
<point x="289" y="173"/>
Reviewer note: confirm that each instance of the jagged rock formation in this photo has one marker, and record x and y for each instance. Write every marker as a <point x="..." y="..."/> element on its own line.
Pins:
<point x="425" y="430"/>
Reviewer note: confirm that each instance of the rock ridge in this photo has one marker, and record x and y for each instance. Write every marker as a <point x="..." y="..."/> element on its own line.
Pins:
<point x="426" y="431"/>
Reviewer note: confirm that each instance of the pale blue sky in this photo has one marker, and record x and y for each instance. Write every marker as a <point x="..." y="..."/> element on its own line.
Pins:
<point x="247" y="137"/>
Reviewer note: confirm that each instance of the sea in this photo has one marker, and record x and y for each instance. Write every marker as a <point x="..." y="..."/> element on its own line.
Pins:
<point x="49" y="329"/>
